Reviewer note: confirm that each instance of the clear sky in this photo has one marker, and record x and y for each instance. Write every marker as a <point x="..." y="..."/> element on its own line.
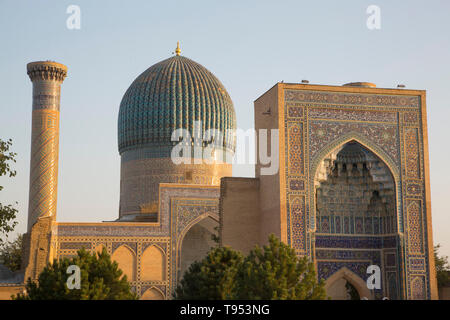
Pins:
<point x="248" y="45"/>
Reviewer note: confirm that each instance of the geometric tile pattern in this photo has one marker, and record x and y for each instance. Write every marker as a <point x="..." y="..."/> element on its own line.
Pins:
<point x="173" y="94"/>
<point x="180" y="207"/>
<point x="46" y="78"/>
<point x="415" y="244"/>
<point x="412" y="153"/>
<point x="316" y="122"/>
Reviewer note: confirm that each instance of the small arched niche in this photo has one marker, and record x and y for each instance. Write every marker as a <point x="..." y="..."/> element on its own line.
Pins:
<point x="197" y="242"/>
<point x="354" y="193"/>
<point x="346" y="285"/>
<point x="153" y="264"/>
<point x="152" y="294"/>
<point x="126" y="260"/>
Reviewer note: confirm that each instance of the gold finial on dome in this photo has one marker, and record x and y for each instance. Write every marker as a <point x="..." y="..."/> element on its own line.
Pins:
<point x="178" y="50"/>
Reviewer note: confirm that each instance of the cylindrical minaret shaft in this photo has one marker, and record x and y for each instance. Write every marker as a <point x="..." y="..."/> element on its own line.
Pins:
<point x="46" y="77"/>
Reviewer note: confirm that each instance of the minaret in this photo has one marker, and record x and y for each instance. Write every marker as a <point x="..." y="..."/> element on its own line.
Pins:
<point x="46" y="77"/>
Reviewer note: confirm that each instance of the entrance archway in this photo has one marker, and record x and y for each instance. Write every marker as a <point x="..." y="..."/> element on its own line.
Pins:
<point x="355" y="193"/>
<point x="356" y="217"/>
<point x="338" y="286"/>
<point x="196" y="243"/>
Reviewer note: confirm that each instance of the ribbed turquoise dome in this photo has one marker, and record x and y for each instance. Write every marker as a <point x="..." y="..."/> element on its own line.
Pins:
<point x="169" y="95"/>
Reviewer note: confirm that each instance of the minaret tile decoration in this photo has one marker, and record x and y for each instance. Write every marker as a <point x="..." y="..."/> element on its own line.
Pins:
<point x="46" y="77"/>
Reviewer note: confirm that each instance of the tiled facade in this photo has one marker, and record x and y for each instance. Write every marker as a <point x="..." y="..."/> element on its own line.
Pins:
<point x="46" y="77"/>
<point x="180" y="207"/>
<point x="315" y="123"/>
<point x="163" y="205"/>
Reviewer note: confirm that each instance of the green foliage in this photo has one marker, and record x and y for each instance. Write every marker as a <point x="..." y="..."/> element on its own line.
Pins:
<point x="442" y="268"/>
<point x="212" y="278"/>
<point x="11" y="254"/>
<point x="215" y="237"/>
<point x="101" y="279"/>
<point x="272" y="272"/>
<point x="7" y="212"/>
<point x="352" y="292"/>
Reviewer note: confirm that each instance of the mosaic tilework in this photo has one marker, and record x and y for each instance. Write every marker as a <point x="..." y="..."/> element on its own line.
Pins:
<point x="359" y="115"/>
<point x="356" y="242"/>
<point x="44" y="165"/>
<point x="418" y="288"/>
<point x="67" y="247"/>
<point x="411" y="118"/>
<point x="322" y="254"/>
<point x="181" y="207"/>
<point x="47" y="78"/>
<point x="412" y="153"/>
<point x="186" y="206"/>
<point x="130" y="245"/>
<point x="295" y="110"/>
<point x="415" y="244"/>
<point x="75" y="245"/>
<point x="417" y="264"/>
<point x="414" y="189"/>
<point x="389" y="125"/>
<point x="297" y="211"/>
<point x="172" y="94"/>
<point x="295" y="142"/>
<point x="328" y="268"/>
<point x="185" y="213"/>
<point x="297" y="185"/>
<point x="351" y="98"/>
<point x="385" y="136"/>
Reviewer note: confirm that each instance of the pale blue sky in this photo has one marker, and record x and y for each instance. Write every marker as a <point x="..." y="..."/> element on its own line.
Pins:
<point x="248" y="45"/>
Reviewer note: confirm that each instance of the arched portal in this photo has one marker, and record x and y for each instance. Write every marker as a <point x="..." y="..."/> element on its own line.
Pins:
<point x="355" y="193"/>
<point x="346" y="285"/>
<point x="152" y="294"/>
<point x="356" y="220"/>
<point x="196" y="243"/>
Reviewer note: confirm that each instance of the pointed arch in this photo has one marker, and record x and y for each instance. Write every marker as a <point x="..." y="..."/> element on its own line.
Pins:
<point x="418" y="288"/>
<point x="195" y="241"/>
<point x="355" y="280"/>
<point x="201" y="217"/>
<point x="339" y="143"/>
<point x="152" y="293"/>
<point x="126" y="260"/>
<point x="153" y="264"/>
<point x="362" y="140"/>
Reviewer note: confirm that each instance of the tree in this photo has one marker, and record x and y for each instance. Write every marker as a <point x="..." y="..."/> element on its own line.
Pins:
<point x="7" y="212"/>
<point x="274" y="272"/>
<point x="351" y="291"/>
<point x="442" y="268"/>
<point x="11" y="254"/>
<point x="100" y="279"/>
<point x="213" y="278"/>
